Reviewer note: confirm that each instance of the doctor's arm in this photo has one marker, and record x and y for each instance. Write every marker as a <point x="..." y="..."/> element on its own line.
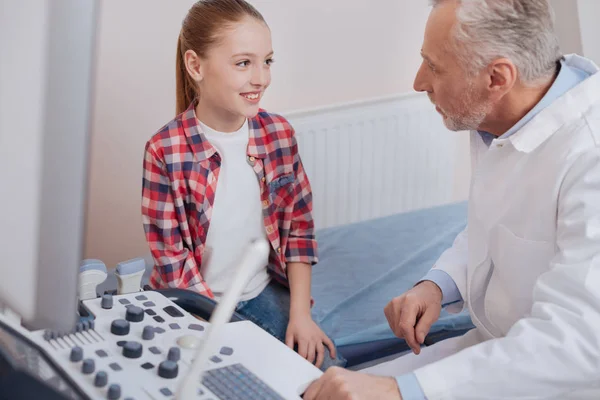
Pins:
<point x="556" y="349"/>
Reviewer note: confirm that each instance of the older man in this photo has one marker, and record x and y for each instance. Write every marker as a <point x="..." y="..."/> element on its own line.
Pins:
<point x="528" y="264"/>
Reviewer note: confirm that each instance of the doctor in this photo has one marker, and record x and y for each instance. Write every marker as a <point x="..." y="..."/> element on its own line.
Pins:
<point x="528" y="264"/>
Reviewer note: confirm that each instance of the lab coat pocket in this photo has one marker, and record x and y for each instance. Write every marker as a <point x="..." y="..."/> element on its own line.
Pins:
<point x="517" y="264"/>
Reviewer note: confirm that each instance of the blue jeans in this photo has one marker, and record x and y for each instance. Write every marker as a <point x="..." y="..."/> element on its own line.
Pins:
<point x="271" y="311"/>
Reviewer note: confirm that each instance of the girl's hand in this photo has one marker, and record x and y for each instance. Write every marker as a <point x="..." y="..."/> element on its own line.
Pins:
<point x="311" y="340"/>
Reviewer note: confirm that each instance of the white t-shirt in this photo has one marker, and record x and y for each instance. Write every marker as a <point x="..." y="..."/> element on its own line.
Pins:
<point x="236" y="216"/>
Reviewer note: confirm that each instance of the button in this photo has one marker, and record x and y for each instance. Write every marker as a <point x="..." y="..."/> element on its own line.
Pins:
<point x="148" y="333"/>
<point x="215" y="359"/>
<point x="149" y="304"/>
<point x="101" y="353"/>
<point x="121" y="343"/>
<point x="76" y="354"/>
<point x="107" y="301"/>
<point x="160" y="319"/>
<point x="119" y="327"/>
<point x="263" y="179"/>
<point x="114" y="392"/>
<point x="88" y="366"/>
<point x="134" y="314"/>
<point x="269" y="230"/>
<point x="196" y="327"/>
<point x="147" y="365"/>
<point x="174" y="354"/>
<point x="174" y="326"/>
<point x="168" y="369"/>
<point x="166" y="392"/>
<point x="252" y="159"/>
<point x="279" y="250"/>
<point x="141" y="297"/>
<point x="173" y="312"/>
<point x="159" y="330"/>
<point x="132" y="350"/>
<point x="265" y="203"/>
<point x="150" y="312"/>
<point x="101" y="379"/>
<point x="188" y="342"/>
<point x="226" y="351"/>
<point x="154" y="350"/>
<point x="115" y="367"/>
<point x="124" y="301"/>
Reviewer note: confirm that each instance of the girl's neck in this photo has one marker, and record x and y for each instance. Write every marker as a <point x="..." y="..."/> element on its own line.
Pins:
<point x="218" y="119"/>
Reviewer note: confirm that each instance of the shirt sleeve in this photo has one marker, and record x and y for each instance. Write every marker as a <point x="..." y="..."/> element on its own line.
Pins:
<point x="175" y="265"/>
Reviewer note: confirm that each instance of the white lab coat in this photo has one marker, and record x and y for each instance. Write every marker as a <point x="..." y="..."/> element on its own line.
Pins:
<point x="529" y="266"/>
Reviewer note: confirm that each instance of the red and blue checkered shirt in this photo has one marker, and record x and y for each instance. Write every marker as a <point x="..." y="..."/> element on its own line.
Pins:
<point x="181" y="170"/>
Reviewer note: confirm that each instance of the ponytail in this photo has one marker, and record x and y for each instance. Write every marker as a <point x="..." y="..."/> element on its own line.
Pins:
<point x="184" y="88"/>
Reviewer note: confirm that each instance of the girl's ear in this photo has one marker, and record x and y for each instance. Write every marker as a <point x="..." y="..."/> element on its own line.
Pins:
<point x="193" y="65"/>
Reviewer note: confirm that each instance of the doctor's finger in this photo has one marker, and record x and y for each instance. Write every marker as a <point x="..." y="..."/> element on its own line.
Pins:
<point x="406" y="326"/>
<point x="424" y="324"/>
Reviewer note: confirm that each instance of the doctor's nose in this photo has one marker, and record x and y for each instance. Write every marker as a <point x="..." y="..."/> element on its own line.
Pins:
<point x="421" y="83"/>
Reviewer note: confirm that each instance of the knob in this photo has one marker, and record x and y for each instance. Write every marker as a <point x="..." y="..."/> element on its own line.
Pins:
<point x="88" y="366"/>
<point x="132" y="350"/>
<point x="148" y="333"/>
<point x="134" y="314"/>
<point x="101" y="379"/>
<point x="107" y="301"/>
<point x="174" y="354"/>
<point x="168" y="369"/>
<point x="119" y="327"/>
<point x="114" y="392"/>
<point x="76" y="354"/>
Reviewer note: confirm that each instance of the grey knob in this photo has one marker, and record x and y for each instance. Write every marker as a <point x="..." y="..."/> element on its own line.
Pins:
<point x="107" y="301"/>
<point x="174" y="354"/>
<point x="148" y="333"/>
<point x="132" y="350"/>
<point x="101" y="379"/>
<point x="168" y="369"/>
<point x="88" y="366"/>
<point x="114" y="392"/>
<point x="76" y="354"/>
<point x="134" y="314"/>
<point x="119" y="327"/>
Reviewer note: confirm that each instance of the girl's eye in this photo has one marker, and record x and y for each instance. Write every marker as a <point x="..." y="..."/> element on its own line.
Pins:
<point x="243" y="63"/>
<point x="269" y="61"/>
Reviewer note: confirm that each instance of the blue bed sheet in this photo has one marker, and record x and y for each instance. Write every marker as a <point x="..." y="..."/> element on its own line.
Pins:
<point x="364" y="265"/>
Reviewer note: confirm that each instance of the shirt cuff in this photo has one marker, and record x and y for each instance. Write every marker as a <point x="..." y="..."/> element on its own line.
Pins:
<point x="450" y="292"/>
<point x="409" y="386"/>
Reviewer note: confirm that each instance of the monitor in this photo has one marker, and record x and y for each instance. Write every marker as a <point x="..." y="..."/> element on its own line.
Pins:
<point x="46" y="83"/>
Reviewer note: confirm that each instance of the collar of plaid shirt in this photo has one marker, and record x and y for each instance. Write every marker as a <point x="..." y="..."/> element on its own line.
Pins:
<point x="202" y="147"/>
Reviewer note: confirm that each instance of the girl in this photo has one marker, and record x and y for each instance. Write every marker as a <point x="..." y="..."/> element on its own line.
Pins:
<point x="224" y="172"/>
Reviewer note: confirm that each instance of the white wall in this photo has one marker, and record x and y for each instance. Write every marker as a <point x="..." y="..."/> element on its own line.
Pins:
<point x="589" y="12"/>
<point x="326" y="52"/>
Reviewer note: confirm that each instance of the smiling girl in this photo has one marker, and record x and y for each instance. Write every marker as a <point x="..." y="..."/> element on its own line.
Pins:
<point x="225" y="172"/>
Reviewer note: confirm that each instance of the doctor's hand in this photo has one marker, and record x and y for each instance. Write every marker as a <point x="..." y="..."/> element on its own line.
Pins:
<point x="411" y="315"/>
<point x="340" y="384"/>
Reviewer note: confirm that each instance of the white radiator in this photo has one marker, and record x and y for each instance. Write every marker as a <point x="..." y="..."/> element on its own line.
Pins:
<point x="375" y="158"/>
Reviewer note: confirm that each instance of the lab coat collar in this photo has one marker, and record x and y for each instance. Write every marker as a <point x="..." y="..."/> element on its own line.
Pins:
<point x="566" y="108"/>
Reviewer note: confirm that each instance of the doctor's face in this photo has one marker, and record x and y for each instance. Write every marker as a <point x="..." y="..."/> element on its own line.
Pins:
<point x="460" y="98"/>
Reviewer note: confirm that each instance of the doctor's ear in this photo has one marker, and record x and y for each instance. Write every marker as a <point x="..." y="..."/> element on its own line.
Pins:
<point x="193" y="65"/>
<point x="503" y="75"/>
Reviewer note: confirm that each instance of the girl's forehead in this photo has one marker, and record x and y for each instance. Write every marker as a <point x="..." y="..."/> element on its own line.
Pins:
<point x="246" y="37"/>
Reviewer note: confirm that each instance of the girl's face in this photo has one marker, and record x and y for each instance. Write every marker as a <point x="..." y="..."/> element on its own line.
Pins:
<point x="234" y="75"/>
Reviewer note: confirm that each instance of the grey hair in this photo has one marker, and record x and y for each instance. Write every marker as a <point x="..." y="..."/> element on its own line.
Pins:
<point x="520" y="30"/>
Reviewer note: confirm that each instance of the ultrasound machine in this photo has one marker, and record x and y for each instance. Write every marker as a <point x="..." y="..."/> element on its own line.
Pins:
<point x="58" y="338"/>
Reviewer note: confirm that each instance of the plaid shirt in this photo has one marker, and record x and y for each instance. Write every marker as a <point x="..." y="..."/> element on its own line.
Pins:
<point x="181" y="170"/>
